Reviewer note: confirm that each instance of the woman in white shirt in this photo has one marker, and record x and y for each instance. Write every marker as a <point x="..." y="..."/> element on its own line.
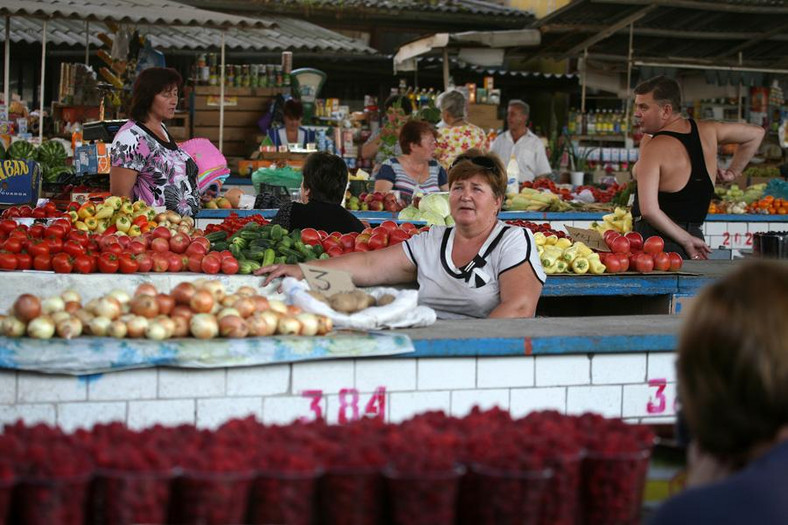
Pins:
<point x="481" y="267"/>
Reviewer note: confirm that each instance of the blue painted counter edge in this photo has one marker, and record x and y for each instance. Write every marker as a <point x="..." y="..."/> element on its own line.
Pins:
<point x="501" y="347"/>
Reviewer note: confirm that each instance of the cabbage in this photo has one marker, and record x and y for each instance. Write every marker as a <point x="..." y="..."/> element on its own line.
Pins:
<point x="411" y="213"/>
<point x="437" y="203"/>
<point x="449" y="221"/>
<point x="432" y="218"/>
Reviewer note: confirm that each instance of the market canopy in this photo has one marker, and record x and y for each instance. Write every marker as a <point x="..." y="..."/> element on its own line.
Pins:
<point x="713" y="33"/>
<point x="287" y="34"/>
<point x="155" y="12"/>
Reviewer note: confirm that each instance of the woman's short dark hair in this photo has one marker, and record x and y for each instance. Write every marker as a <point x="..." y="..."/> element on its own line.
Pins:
<point x="325" y="176"/>
<point x="400" y="101"/>
<point x="150" y="82"/>
<point x="475" y="162"/>
<point x="412" y="133"/>
<point x="293" y="109"/>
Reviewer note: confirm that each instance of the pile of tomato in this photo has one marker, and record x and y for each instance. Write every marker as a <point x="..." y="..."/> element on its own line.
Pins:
<point x="370" y="239"/>
<point x="630" y="252"/>
<point x="47" y="211"/>
<point x="535" y="227"/>
<point x="232" y="223"/>
<point x="60" y="248"/>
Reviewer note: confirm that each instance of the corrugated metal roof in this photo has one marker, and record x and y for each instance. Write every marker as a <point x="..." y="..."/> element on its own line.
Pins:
<point x="703" y="31"/>
<point x="455" y="63"/>
<point x="286" y="34"/>
<point x="158" y="12"/>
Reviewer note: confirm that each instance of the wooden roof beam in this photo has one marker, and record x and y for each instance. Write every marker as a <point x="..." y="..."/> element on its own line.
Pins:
<point x="693" y="34"/>
<point x="624" y="22"/>
<point x="703" y="6"/>
<point x="757" y="39"/>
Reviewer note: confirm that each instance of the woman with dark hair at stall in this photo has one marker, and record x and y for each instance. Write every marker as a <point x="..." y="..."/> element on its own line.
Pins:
<point x="322" y="190"/>
<point x="732" y="373"/>
<point x="147" y="164"/>
<point x="291" y="132"/>
<point x="416" y="170"/>
<point x="478" y="268"/>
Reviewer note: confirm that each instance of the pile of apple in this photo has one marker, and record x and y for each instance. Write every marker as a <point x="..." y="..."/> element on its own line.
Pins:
<point x="336" y="244"/>
<point x="376" y="201"/>
<point x="122" y="217"/>
<point x="202" y="309"/>
<point x="631" y="252"/>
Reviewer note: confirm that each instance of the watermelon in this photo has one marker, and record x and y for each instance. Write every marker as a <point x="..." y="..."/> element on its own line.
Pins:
<point x="52" y="153"/>
<point x="53" y="173"/>
<point x="22" y="150"/>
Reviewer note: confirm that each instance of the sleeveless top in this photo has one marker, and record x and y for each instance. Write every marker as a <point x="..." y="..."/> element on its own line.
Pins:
<point x="691" y="203"/>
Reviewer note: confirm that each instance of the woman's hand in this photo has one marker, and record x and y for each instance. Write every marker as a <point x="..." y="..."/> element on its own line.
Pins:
<point x="279" y="270"/>
<point x="696" y="248"/>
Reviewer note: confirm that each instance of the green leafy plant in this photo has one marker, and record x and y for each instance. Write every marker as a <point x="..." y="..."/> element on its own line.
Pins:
<point x="577" y="161"/>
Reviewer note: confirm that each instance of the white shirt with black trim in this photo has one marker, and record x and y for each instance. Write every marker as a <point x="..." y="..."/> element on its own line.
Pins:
<point x="473" y="291"/>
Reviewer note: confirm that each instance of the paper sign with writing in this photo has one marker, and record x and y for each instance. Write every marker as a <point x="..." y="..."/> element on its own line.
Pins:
<point x="590" y="238"/>
<point x="327" y="281"/>
<point x="214" y="100"/>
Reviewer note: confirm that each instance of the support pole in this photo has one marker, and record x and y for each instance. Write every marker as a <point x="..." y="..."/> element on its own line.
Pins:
<point x="87" y="42"/>
<point x="583" y="85"/>
<point x="627" y="113"/>
<point x="43" y="72"/>
<point x="445" y="69"/>
<point x="221" y="98"/>
<point x="738" y="101"/>
<point x="7" y="64"/>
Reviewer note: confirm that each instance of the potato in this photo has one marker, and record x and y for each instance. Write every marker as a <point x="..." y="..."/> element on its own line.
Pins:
<point x="344" y="302"/>
<point x="385" y="299"/>
<point x="364" y="299"/>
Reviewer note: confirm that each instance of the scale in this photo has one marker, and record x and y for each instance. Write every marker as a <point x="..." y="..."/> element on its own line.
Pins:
<point x="307" y="83"/>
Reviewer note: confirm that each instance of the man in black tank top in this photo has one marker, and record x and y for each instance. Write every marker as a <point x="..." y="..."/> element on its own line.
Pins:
<point x="678" y="166"/>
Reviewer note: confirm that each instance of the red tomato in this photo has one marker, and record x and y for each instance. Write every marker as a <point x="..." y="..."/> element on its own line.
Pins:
<point x="127" y="263"/>
<point x="73" y="248"/>
<point x="196" y="248"/>
<point x="322" y="234"/>
<point x="388" y="225"/>
<point x="161" y="232"/>
<point x="362" y="247"/>
<point x="347" y="242"/>
<point x="63" y="263"/>
<point x="39" y="213"/>
<point x="662" y="262"/>
<point x="124" y="241"/>
<point x="161" y="261"/>
<point x="195" y="263"/>
<point x="115" y="248"/>
<point x="310" y="236"/>
<point x="13" y="245"/>
<point x="225" y="254"/>
<point x="11" y="213"/>
<point x="136" y="247"/>
<point x="334" y="251"/>
<point x="362" y="238"/>
<point x="635" y="241"/>
<point x="211" y="264"/>
<point x="7" y="226"/>
<point x="24" y="261"/>
<point x="83" y="263"/>
<point x="378" y="241"/>
<point x="55" y="245"/>
<point x="145" y="262"/>
<point x="175" y="262"/>
<point x="7" y="261"/>
<point x="609" y="235"/>
<point x="42" y="263"/>
<point x="619" y="244"/>
<point x="330" y="242"/>
<point x="179" y="242"/>
<point x="37" y="231"/>
<point x="623" y="258"/>
<point x="644" y="263"/>
<point x="675" y="261"/>
<point x="38" y="248"/>
<point x="160" y="244"/>
<point x="108" y="262"/>
<point x="79" y="236"/>
<point x="55" y="230"/>
<point x="653" y="244"/>
<point x="230" y="266"/>
<point x="408" y="227"/>
<point x="202" y="240"/>
<point x="398" y="236"/>
<point x="613" y="264"/>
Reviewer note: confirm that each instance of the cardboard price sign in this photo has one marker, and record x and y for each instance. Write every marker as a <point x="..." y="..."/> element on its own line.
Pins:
<point x="326" y="281"/>
<point x="590" y="238"/>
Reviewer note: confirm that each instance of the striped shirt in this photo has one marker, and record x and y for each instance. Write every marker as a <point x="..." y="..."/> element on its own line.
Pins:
<point x="392" y="171"/>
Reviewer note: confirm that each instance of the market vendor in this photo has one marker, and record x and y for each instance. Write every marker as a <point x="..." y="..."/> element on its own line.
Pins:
<point x="732" y="375"/>
<point x="291" y="132"/>
<point x="322" y="190"/>
<point x="479" y="268"/>
<point x="416" y="170"/>
<point x="521" y="144"/>
<point x="678" y="168"/>
<point x="458" y="135"/>
<point x="147" y="163"/>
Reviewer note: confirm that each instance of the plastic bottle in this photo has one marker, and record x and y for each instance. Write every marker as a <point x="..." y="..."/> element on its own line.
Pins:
<point x="76" y="136"/>
<point x="512" y="176"/>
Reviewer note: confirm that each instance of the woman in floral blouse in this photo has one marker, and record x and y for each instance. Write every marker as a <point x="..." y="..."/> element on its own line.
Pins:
<point x="147" y="164"/>
<point x="459" y="135"/>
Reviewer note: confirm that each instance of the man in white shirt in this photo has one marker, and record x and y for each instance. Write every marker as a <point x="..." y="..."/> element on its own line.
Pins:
<point x="521" y="143"/>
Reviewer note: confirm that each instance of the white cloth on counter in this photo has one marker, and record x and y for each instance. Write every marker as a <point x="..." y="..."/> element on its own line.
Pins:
<point x="403" y="312"/>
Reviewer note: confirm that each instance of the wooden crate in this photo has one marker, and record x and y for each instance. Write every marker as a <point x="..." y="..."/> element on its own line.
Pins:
<point x="485" y="116"/>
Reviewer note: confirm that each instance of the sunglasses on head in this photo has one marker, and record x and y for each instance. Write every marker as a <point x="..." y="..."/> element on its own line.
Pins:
<point x="483" y="162"/>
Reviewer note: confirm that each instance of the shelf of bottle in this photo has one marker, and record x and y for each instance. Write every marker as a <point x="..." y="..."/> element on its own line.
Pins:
<point x="599" y="138"/>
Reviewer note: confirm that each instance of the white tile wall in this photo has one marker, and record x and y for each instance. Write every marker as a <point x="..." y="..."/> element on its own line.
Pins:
<point x="30" y="414"/>
<point x="71" y="416"/>
<point x="662" y="365"/>
<point x="525" y="400"/>
<point x="170" y="412"/>
<point x="258" y="380"/>
<point x="462" y="401"/>
<point x="716" y="228"/>
<point x="618" y="368"/>
<point x="778" y="226"/>
<point x="7" y="386"/>
<point x="37" y="388"/>
<point x="186" y="383"/>
<point x="211" y="413"/>
<point x="563" y="370"/>
<point x="127" y="385"/>
<point x="404" y="405"/>
<point x="605" y="400"/>
<point x="286" y="409"/>
<point x="446" y="373"/>
<point x="328" y="376"/>
<point x="498" y="372"/>
<point x="394" y="374"/>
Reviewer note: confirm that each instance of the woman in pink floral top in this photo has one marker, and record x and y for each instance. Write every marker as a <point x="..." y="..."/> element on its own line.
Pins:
<point x="459" y="135"/>
<point x="147" y="164"/>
